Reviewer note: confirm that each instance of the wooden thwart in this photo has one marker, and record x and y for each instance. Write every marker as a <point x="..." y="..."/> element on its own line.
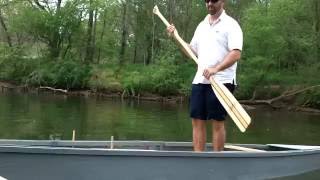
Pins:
<point x="228" y="101"/>
<point x="240" y="148"/>
<point x="296" y="147"/>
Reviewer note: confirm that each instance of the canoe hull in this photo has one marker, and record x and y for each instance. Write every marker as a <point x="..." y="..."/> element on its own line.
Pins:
<point x="93" y="164"/>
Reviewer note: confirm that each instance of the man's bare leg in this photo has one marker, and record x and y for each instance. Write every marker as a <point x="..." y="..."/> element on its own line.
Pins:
<point x="218" y="135"/>
<point x="199" y="134"/>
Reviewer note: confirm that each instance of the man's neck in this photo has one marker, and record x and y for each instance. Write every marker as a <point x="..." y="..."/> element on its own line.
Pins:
<point x="215" y="16"/>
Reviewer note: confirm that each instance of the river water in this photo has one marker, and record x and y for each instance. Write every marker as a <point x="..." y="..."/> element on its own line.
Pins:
<point x="47" y="116"/>
<point x="54" y="116"/>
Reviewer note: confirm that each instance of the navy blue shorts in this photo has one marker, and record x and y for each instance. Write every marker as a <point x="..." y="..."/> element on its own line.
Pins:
<point x="204" y="104"/>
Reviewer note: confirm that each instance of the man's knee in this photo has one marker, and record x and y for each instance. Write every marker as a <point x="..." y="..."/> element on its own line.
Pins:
<point x="218" y="126"/>
<point x="198" y="123"/>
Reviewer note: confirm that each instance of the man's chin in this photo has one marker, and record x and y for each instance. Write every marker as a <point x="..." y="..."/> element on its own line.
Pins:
<point x="212" y="12"/>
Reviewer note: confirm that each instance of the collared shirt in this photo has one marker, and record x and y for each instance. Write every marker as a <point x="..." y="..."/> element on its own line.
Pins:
<point x="212" y="43"/>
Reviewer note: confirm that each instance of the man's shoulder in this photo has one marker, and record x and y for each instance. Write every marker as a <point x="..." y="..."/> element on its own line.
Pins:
<point x="201" y="26"/>
<point x="203" y="22"/>
<point x="231" y="21"/>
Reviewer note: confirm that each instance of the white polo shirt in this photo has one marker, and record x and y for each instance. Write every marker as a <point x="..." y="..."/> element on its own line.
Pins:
<point x="212" y="43"/>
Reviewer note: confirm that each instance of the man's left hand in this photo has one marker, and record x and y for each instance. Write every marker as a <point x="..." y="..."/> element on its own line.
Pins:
<point x="209" y="72"/>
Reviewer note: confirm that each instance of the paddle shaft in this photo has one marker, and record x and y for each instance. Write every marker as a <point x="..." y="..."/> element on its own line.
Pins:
<point x="184" y="45"/>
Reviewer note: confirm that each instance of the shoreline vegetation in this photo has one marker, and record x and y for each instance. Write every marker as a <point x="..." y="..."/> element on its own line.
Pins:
<point x="119" y="49"/>
<point x="283" y="100"/>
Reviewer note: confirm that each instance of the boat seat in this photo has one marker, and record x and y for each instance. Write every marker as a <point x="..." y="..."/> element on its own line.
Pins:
<point x="295" y="147"/>
<point x="240" y="148"/>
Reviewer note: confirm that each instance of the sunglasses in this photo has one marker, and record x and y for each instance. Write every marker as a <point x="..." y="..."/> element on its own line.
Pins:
<point x="212" y="1"/>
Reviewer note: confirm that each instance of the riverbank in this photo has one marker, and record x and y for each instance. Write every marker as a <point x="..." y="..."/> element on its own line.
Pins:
<point x="6" y="86"/>
<point x="247" y="104"/>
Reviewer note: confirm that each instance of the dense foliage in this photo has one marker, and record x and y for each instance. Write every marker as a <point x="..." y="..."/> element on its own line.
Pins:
<point x="119" y="46"/>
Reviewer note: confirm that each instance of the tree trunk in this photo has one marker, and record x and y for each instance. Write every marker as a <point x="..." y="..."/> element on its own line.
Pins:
<point x="135" y="50"/>
<point x="149" y="49"/>
<point x="238" y="10"/>
<point x="187" y="18"/>
<point x="124" y="34"/>
<point x="59" y="4"/>
<point x="54" y="45"/>
<point x="56" y="40"/>
<point x="89" y="48"/>
<point x="5" y="29"/>
<point x="317" y="27"/>
<point x="94" y="33"/>
<point x="171" y="10"/>
<point x="102" y="34"/>
<point x="68" y="46"/>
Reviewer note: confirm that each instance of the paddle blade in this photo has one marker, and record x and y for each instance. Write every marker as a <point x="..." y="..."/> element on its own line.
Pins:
<point x="231" y="105"/>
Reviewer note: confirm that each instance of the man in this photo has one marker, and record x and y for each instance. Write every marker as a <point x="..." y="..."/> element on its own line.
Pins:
<point x="217" y="42"/>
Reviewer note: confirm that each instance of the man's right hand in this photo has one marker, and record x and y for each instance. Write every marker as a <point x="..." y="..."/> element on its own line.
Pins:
<point x="170" y="30"/>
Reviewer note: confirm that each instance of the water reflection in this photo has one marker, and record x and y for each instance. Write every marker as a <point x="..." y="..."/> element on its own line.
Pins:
<point x="49" y="116"/>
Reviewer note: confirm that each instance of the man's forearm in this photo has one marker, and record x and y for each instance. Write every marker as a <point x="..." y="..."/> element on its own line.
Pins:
<point x="232" y="57"/>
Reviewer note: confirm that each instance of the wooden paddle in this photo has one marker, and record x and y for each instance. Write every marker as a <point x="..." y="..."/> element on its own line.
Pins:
<point x="226" y="98"/>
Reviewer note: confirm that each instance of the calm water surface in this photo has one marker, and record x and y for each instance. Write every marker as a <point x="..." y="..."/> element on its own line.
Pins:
<point x="48" y="116"/>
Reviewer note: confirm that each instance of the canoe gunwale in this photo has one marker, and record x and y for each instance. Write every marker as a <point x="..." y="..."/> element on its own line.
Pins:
<point x="67" y="157"/>
<point x="148" y="153"/>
